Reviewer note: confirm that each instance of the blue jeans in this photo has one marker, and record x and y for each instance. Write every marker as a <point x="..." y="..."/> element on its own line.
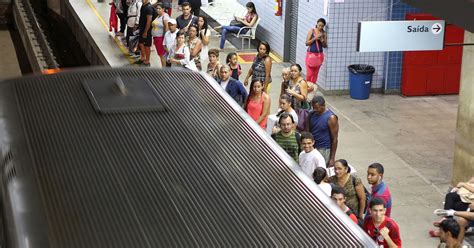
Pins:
<point x="226" y="29"/>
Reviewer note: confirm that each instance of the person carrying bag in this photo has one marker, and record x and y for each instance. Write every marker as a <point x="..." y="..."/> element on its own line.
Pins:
<point x="315" y="40"/>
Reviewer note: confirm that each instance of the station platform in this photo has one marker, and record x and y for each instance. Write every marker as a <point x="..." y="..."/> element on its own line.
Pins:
<point x="404" y="134"/>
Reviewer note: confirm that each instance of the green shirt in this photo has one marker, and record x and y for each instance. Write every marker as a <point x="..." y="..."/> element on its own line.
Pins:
<point x="289" y="144"/>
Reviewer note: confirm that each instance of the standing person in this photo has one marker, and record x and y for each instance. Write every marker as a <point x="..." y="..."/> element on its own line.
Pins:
<point x="195" y="46"/>
<point x="170" y="38"/>
<point x="310" y="158"/>
<point x="234" y="65"/>
<point x="186" y="20"/>
<point x="204" y="34"/>
<point x="289" y="140"/>
<point x="247" y="21"/>
<point x="285" y="107"/>
<point x="261" y="68"/>
<point x="320" y="177"/>
<point x="324" y="126"/>
<point x="379" y="188"/>
<point x="352" y="185"/>
<point x="159" y="28"/>
<point x="180" y="55"/>
<point x="257" y="104"/>
<point x="339" y="197"/>
<point x="195" y="6"/>
<point x="285" y="74"/>
<point x="214" y="66"/>
<point x="315" y="41"/>
<point x="121" y="10"/>
<point x="297" y="88"/>
<point x="232" y="86"/>
<point x="383" y="230"/>
<point x="133" y="16"/>
<point x="145" y="40"/>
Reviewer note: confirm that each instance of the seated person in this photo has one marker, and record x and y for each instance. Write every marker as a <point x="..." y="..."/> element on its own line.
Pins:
<point x="247" y="21"/>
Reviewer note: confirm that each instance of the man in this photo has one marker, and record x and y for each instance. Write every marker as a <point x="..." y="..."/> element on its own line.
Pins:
<point x="145" y="40"/>
<point x="233" y="87"/>
<point x="324" y="126"/>
<point x="186" y="19"/>
<point x="288" y="138"/>
<point x="170" y="37"/>
<point x="449" y="231"/>
<point x="464" y="219"/>
<point x="338" y="195"/>
<point x="379" y="188"/>
<point x="383" y="230"/>
<point x="195" y="6"/>
<point x="310" y="158"/>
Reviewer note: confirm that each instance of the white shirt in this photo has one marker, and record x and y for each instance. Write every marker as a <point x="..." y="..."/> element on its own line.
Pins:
<point x="309" y="161"/>
<point x="169" y="39"/>
<point x="224" y="84"/>
<point x="326" y="187"/>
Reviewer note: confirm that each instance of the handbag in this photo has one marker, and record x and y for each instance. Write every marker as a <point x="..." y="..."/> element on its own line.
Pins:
<point x="302" y="118"/>
<point x="465" y="195"/>
<point x="236" y="23"/>
<point x="314" y="60"/>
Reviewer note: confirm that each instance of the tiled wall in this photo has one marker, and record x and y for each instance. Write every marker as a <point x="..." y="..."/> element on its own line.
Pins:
<point x="309" y="11"/>
<point x="394" y="73"/>
<point x="343" y="19"/>
<point x="271" y="28"/>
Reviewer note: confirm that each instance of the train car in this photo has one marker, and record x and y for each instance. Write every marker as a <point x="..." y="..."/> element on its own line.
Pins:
<point x="135" y="157"/>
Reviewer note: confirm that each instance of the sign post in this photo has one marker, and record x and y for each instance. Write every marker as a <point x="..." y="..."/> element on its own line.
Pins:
<point x="387" y="36"/>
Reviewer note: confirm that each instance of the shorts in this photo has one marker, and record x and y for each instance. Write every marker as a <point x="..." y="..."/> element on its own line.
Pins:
<point x="160" y="49"/>
<point x="145" y="41"/>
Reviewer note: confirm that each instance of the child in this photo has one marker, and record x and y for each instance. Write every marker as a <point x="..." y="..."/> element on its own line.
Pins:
<point x="235" y="68"/>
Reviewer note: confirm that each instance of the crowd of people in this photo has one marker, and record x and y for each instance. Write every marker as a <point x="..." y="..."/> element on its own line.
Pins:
<point x="303" y="126"/>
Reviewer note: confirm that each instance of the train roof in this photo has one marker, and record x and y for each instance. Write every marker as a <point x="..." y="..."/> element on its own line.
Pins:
<point x="152" y="158"/>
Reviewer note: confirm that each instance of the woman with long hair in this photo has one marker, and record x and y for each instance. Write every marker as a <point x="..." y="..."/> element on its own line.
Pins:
<point x="158" y="29"/>
<point x="204" y="33"/>
<point x="297" y="88"/>
<point x="195" y="46"/>
<point x="355" y="194"/>
<point x="214" y="66"/>
<point x="247" y="21"/>
<point x="261" y="68"/>
<point x="285" y="107"/>
<point x="316" y="39"/>
<point x="258" y="104"/>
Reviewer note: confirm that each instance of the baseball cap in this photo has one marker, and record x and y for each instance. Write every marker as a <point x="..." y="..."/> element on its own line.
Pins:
<point x="172" y="21"/>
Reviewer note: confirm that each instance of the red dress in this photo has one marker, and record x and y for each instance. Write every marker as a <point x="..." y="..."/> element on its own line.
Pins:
<point x="113" y="18"/>
<point x="255" y="109"/>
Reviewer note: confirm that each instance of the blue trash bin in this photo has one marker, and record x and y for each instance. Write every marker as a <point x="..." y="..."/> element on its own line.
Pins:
<point x="360" y="81"/>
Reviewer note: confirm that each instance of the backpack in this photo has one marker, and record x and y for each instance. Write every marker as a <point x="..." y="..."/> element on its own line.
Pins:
<point x="155" y="14"/>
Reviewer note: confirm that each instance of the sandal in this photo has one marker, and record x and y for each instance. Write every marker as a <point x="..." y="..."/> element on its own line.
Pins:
<point x="433" y="233"/>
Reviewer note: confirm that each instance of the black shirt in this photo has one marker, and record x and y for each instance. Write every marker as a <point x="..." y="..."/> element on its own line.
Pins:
<point x="146" y="10"/>
<point x="182" y="23"/>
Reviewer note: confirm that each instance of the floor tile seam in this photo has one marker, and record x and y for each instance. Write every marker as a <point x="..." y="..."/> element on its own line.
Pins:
<point x="404" y="163"/>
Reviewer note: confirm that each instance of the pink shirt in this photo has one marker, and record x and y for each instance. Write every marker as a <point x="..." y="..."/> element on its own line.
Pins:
<point x="255" y="109"/>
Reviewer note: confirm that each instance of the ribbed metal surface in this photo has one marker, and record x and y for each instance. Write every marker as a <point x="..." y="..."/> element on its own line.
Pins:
<point x="194" y="175"/>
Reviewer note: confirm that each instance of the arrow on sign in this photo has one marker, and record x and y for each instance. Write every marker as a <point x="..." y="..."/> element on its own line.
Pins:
<point x="436" y="28"/>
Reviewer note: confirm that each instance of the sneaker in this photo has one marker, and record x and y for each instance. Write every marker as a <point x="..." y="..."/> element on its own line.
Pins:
<point x="133" y="55"/>
<point x="119" y="34"/>
<point x="146" y="65"/>
<point x="443" y="212"/>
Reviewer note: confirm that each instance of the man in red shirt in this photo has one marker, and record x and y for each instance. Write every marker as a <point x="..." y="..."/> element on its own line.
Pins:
<point x="383" y="230"/>
<point x="338" y="195"/>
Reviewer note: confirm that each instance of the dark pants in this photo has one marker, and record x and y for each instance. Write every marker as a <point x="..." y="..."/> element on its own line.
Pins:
<point x="196" y="10"/>
<point x="123" y="21"/>
<point x="453" y="201"/>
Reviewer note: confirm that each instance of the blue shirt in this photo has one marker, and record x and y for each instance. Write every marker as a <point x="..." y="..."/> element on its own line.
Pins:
<point x="319" y="127"/>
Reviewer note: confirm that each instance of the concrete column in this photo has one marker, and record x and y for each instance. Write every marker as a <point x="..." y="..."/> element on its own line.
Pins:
<point x="463" y="167"/>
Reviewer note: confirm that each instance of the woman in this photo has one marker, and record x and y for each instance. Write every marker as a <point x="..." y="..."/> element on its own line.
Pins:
<point x="258" y="104"/>
<point x="355" y="194"/>
<point x="316" y="39"/>
<point x="158" y="29"/>
<point x="297" y="88"/>
<point x="320" y="177"/>
<point x="261" y="68"/>
<point x="247" y="21"/>
<point x="195" y="46"/>
<point x="234" y="65"/>
<point x="179" y="55"/>
<point x="285" y="74"/>
<point x="285" y="107"/>
<point x="204" y="34"/>
<point x="214" y="65"/>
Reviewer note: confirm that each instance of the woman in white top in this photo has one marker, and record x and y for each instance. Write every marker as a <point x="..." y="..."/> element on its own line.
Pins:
<point x="204" y="35"/>
<point x="179" y="55"/>
<point x="158" y="29"/>
<point x="285" y="107"/>
<point x="195" y="46"/>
